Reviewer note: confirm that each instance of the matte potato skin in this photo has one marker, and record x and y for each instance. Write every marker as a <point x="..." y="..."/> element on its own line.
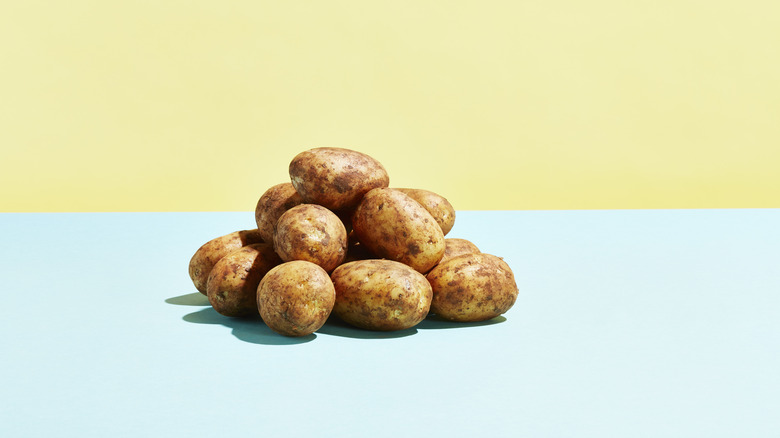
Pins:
<point x="472" y="287"/>
<point x="336" y="178"/>
<point x="394" y="226"/>
<point x="232" y="283"/>
<point x="313" y="233"/>
<point x="454" y="247"/>
<point x="438" y="206"/>
<point x="296" y="298"/>
<point x="271" y="205"/>
<point x="209" y="254"/>
<point x="380" y="295"/>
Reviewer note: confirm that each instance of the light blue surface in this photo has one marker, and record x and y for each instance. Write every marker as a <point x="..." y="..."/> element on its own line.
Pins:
<point x="628" y="324"/>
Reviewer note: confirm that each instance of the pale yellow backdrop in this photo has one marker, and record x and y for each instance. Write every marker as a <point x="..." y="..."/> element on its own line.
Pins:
<point x="200" y="105"/>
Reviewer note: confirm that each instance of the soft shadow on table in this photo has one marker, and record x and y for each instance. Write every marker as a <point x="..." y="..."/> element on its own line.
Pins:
<point x="336" y="327"/>
<point x="252" y="330"/>
<point x="433" y="322"/>
<point x="193" y="299"/>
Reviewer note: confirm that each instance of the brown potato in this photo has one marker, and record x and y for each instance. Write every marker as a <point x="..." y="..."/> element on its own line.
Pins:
<point x="394" y="226"/>
<point x="296" y="298"/>
<point x="313" y="233"/>
<point x="380" y="295"/>
<point x="472" y="287"/>
<point x="334" y="177"/>
<point x="212" y="251"/>
<point x="232" y="283"/>
<point x="271" y="205"/>
<point x="438" y="206"/>
<point x="454" y="247"/>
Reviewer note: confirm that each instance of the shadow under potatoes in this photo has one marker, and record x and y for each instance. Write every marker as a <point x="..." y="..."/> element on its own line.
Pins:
<point x="193" y="299"/>
<point x="434" y="322"/>
<point x="249" y="329"/>
<point x="255" y="331"/>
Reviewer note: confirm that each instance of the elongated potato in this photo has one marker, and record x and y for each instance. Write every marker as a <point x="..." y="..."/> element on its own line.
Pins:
<point x="394" y="226"/>
<point x="271" y="205"/>
<point x="212" y="251"/>
<point x="313" y="233"/>
<point x="472" y="287"/>
<point x="438" y="206"/>
<point x="380" y="295"/>
<point x="335" y="178"/>
<point x="296" y="298"/>
<point x="454" y="247"/>
<point x="232" y="283"/>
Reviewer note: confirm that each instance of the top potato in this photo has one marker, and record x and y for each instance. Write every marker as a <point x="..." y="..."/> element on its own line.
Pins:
<point x="335" y="178"/>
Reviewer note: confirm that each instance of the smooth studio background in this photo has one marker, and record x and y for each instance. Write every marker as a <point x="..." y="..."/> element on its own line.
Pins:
<point x="200" y="105"/>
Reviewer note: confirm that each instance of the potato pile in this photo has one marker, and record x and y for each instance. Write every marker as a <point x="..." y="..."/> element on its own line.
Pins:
<point x="336" y="239"/>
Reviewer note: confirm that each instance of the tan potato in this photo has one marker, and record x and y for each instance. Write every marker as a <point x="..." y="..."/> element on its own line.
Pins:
<point x="296" y="298"/>
<point x="271" y="205"/>
<point x="394" y="226"/>
<point x="232" y="283"/>
<point x="454" y="247"/>
<point x="313" y="233"/>
<point x="212" y="251"/>
<point x="438" y="206"/>
<point x="472" y="287"/>
<point x="334" y="177"/>
<point x="380" y="295"/>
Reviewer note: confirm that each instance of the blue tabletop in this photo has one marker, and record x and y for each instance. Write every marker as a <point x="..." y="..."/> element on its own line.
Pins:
<point x="629" y="323"/>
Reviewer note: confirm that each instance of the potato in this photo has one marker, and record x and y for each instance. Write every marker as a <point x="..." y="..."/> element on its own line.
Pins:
<point x="209" y="254"/>
<point x="472" y="287"/>
<point x="296" y="298"/>
<point x="313" y="233"/>
<point x="335" y="178"/>
<point x="394" y="226"/>
<point x="271" y="205"/>
<point x="232" y="283"/>
<point x="380" y="295"/>
<point x="454" y="247"/>
<point x="438" y="206"/>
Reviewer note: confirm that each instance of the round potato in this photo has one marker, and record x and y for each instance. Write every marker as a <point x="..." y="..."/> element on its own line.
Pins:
<point x="313" y="233"/>
<point x="380" y="295"/>
<point x="472" y="287"/>
<point x="271" y="205"/>
<point x="232" y="283"/>
<point x="212" y="251"/>
<point x="454" y="247"/>
<point x="394" y="226"/>
<point x="334" y="177"/>
<point x="438" y="206"/>
<point x="296" y="298"/>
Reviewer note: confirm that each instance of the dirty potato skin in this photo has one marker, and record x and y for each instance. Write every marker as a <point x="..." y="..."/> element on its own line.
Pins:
<point x="212" y="251"/>
<point x="232" y="283"/>
<point x="380" y="295"/>
<point x="296" y="298"/>
<point x="271" y="205"/>
<point x="335" y="177"/>
<point x="313" y="233"/>
<point x="472" y="287"/>
<point x="438" y="206"/>
<point x="394" y="226"/>
<point x="454" y="247"/>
